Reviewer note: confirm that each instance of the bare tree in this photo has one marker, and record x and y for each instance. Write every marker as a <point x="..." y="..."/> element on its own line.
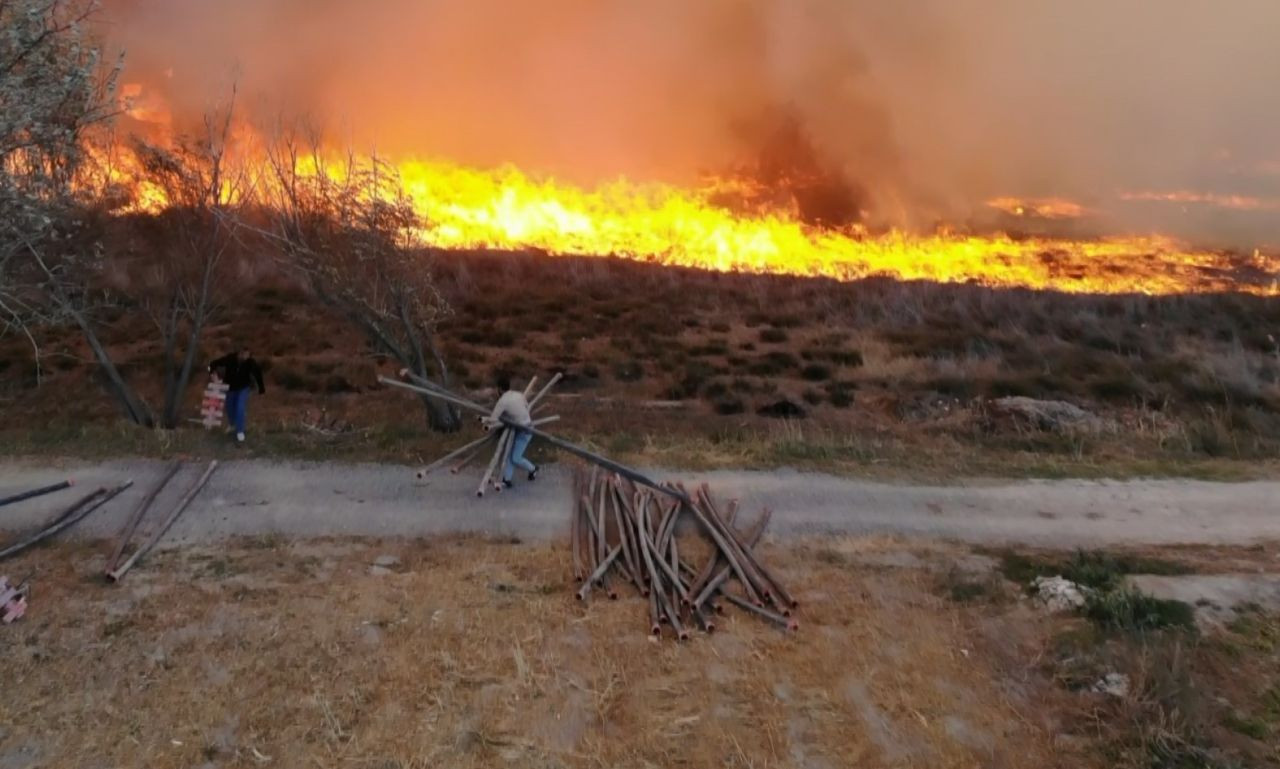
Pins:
<point x="53" y="86"/>
<point x="353" y="233"/>
<point x="204" y="191"/>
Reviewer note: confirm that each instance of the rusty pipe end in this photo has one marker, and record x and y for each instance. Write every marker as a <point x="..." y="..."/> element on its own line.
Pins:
<point x="793" y="626"/>
<point x="420" y="475"/>
<point x="711" y="627"/>
<point x="613" y="595"/>
<point x="684" y="635"/>
<point x="480" y="493"/>
<point x="656" y="631"/>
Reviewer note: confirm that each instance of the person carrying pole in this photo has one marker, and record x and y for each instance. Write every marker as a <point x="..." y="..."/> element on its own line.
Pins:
<point x="513" y="405"/>
<point x="239" y="370"/>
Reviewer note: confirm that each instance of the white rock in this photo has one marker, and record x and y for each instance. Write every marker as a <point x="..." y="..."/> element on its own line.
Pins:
<point x="1058" y="593"/>
<point x="1113" y="684"/>
<point x="386" y="561"/>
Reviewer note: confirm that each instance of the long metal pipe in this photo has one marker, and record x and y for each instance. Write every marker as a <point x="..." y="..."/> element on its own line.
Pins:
<point x="72" y="516"/>
<point x="788" y="623"/>
<point x="545" y="389"/>
<point x="115" y="575"/>
<point x="444" y="396"/>
<point x="476" y="444"/>
<point x="135" y="518"/>
<point x="498" y="452"/>
<point x="598" y="574"/>
<point x="657" y="557"/>
<point x="40" y="492"/>
<point x="440" y="391"/>
<point x="591" y="456"/>
<point x="753" y="536"/>
<point x="727" y="549"/>
<point x="625" y="531"/>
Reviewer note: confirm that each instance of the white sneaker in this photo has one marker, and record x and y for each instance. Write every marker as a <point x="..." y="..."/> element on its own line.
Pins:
<point x="239" y="437"/>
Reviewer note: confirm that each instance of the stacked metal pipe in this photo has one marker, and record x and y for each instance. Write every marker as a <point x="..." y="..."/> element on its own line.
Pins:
<point x="626" y="533"/>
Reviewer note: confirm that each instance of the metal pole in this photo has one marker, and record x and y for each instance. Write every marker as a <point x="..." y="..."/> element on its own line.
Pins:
<point x="598" y="574"/>
<point x="40" y="492"/>
<point x="449" y="397"/>
<point x="545" y="389"/>
<point x="440" y="391"/>
<point x="132" y="524"/>
<point x="590" y="456"/>
<point x="67" y="520"/>
<point x="115" y="575"/>
<point x="453" y="454"/>
<point x="498" y="452"/>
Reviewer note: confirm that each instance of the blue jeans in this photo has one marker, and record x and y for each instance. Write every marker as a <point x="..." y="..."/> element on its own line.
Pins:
<point x="518" y="446"/>
<point x="238" y="408"/>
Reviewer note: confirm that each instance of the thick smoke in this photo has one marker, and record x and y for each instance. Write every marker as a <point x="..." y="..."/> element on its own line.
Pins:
<point x="929" y="107"/>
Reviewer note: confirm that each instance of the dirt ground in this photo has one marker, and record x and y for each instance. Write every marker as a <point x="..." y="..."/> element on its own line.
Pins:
<point x="469" y="652"/>
<point x="252" y="497"/>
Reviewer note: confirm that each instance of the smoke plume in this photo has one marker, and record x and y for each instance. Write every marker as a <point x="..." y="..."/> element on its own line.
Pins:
<point x="927" y="107"/>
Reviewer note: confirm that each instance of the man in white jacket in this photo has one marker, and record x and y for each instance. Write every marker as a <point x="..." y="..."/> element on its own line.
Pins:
<point x="512" y="405"/>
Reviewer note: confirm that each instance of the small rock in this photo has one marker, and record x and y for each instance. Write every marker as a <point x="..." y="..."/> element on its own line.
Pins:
<point x="386" y="561"/>
<point x="1113" y="684"/>
<point x="1058" y="593"/>
<point x="1044" y="414"/>
<point x="379" y="571"/>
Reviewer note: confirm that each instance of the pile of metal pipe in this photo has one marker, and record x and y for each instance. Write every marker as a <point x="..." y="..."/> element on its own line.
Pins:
<point x="625" y="533"/>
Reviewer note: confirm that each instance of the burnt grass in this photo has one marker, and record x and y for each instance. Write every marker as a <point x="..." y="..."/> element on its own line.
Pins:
<point x="916" y="364"/>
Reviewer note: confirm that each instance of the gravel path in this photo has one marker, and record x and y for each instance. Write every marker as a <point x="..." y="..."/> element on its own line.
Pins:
<point x="257" y="497"/>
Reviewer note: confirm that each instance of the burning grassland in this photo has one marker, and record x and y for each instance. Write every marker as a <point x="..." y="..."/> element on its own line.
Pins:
<point x="465" y="208"/>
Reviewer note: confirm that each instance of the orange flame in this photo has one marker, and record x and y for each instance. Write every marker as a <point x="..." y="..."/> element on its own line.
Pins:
<point x="505" y="208"/>
<point x="1043" y="208"/>
<point x="1234" y="202"/>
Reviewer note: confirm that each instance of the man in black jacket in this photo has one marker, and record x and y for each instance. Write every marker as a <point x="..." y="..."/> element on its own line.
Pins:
<point x="239" y="370"/>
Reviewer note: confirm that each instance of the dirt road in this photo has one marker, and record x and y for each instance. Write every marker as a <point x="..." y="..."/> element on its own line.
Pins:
<point x="328" y="499"/>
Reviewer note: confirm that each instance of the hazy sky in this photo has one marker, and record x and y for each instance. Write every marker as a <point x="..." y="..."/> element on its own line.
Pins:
<point x="932" y="105"/>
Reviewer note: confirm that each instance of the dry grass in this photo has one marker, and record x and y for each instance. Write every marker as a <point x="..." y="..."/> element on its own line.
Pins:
<point x="886" y="374"/>
<point x="473" y="653"/>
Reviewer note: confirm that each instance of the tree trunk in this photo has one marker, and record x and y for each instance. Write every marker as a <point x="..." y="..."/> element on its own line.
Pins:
<point x="174" y="395"/>
<point x="134" y="408"/>
<point x="441" y="417"/>
<point x="170" y="333"/>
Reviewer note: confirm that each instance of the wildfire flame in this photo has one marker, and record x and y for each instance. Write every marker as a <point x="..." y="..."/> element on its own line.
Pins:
<point x="505" y="208"/>
<point x="1045" y="208"/>
<point x="1187" y="197"/>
